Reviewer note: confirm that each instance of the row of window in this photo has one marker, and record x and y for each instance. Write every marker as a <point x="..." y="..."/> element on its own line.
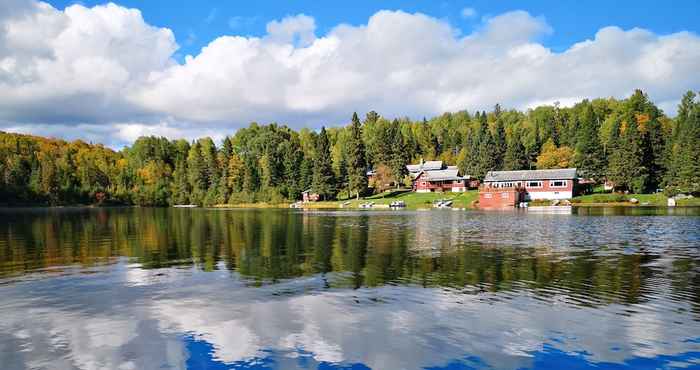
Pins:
<point x="531" y="184"/>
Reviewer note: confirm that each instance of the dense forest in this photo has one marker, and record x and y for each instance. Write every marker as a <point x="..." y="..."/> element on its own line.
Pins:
<point x="629" y="142"/>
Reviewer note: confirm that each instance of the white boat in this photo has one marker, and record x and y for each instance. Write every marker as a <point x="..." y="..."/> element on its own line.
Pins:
<point x="443" y="203"/>
<point x="185" y="206"/>
<point x="397" y="204"/>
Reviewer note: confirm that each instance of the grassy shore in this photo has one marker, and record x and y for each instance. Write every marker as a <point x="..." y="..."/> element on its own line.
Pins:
<point x="412" y="200"/>
<point x="467" y="200"/>
<point x="614" y="199"/>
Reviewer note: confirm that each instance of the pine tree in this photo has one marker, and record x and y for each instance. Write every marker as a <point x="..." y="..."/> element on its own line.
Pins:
<point x="588" y="157"/>
<point x="306" y="172"/>
<point x="398" y="158"/>
<point x="292" y="163"/>
<point x="484" y="150"/>
<point x="323" y="182"/>
<point x="684" y="156"/>
<point x="196" y="174"/>
<point x="499" y="138"/>
<point x="357" y="164"/>
<point x="227" y="148"/>
<point x="515" y="157"/>
<point x="626" y="168"/>
<point x="181" y="187"/>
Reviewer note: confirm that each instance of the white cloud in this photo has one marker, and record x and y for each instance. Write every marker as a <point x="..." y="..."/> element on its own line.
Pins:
<point x="468" y="13"/>
<point x="104" y="66"/>
<point x="296" y="30"/>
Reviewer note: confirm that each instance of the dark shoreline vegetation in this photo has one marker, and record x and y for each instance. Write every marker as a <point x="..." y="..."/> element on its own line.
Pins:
<point x="629" y="142"/>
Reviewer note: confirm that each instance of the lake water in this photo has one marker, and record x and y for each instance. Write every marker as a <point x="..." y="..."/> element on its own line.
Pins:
<point x="139" y="288"/>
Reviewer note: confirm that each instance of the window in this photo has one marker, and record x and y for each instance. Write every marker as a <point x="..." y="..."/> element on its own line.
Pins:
<point x="504" y="195"/>
<point x="557" y="183"/>
<point x="534" y="184"/>
<point x="488" y="195"/>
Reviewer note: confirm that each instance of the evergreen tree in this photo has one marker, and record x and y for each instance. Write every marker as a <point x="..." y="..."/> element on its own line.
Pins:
<point x="398" y="158"/>
<point x="197" y="174"/>
<point x="588" y="157"/>
<point x="181" y="187"/>
<point x="323" y="182"/>
<point x="292" y="164"/>
<point x="227" y="148"/>
<point x="499" y="138"/>
<point x="684" y="156"/>
<point x="626" y="168"/>
<point x="515" y="157"/>
<point x="306" y="172"/>
<point x="357" y="165"/>
<point x="484" y="150"/>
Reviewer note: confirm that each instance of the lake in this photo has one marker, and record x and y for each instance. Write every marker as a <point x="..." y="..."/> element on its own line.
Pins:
<point x="144" y="288"/>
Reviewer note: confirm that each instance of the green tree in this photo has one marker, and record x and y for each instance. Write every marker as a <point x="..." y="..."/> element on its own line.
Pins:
<point x="588" y="157"/>
<point x="626" y="168"/>
<point x="197" y="174"/>
<point x="683" y="154"/>
<point x="323" y="183"/>
<point x="398" y="158"/>
<point x="499" y="138"/>
<point x="356" y="163"/>
<point x="515" y="156"/>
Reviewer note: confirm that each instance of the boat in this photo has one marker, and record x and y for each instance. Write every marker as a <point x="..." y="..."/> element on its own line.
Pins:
<point x="367" y="205"/>
<point x="397" y="204"/>
<point x="442" y="203"/>
<point x="296" y="205"/>
<point x="185" y="206"/>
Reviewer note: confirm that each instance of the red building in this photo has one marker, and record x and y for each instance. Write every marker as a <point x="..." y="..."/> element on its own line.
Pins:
<point x="441" y="180"/>
<point x="508" y="188"/>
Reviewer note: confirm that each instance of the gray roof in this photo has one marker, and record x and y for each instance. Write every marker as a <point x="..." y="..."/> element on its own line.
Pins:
<point x="425" y="166"/>
<point x="559" y="174"/>
<point x="442" y="175"/>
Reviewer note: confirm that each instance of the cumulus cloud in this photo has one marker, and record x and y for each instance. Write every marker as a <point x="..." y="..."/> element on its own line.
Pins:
<point x="105" y="66"/>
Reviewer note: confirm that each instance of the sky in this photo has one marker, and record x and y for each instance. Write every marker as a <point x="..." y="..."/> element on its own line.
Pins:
<point x="110" y="72"/>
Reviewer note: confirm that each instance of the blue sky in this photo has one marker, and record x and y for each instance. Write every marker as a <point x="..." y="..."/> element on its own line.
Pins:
<point x="111" y="72"/>
<point x="196" y="23"/>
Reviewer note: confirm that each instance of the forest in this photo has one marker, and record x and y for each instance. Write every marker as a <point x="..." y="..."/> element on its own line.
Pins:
<point x="629" y="142"/>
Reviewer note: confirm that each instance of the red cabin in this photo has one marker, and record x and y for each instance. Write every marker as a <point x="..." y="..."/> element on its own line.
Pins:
<point x="513" y="187"/>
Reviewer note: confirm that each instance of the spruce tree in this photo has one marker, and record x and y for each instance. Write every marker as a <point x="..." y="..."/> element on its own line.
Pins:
<point x="323" y="182"/>
<point x="588" y="157"/>
<point x="484" y="150"/>
<point x="684" y="157"/>
<point x="499" y="138"/>
<point x="181" y="187"/>
<point x="515" y="157"/>
<point x="398" y="158"/>
<point x="356" y="162"/>
<point x="196" y="174"/>
<point x="626" y="169"/>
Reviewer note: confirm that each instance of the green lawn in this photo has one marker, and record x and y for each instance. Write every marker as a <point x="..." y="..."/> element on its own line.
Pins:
<point x="658" y="199"/>
<point x="412" y="200"/>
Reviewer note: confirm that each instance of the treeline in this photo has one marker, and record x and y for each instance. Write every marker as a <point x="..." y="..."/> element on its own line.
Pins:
<point x="629" y="142"/>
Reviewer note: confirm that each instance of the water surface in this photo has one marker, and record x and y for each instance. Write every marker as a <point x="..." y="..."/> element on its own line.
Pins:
<point x="139" y="288"/>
